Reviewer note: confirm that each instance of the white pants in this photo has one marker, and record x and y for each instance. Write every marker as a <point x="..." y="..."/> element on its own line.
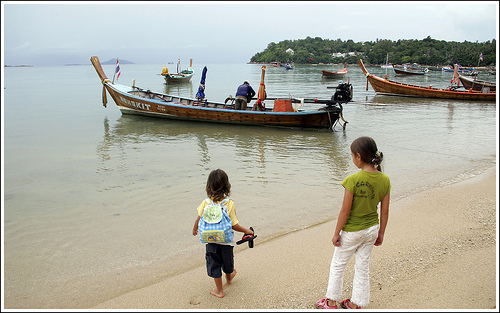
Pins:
<point x="361" y="243"/>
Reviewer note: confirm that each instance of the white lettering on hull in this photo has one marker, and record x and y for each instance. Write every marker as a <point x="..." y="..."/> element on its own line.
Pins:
<point x="138" y="105"/>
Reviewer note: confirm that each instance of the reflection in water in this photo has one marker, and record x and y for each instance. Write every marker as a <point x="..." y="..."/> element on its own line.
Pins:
<point x="185" y="89"/>
<point x="204" y="155"/>
<point x="449" y="121"/>
<point x="253" y="143"/>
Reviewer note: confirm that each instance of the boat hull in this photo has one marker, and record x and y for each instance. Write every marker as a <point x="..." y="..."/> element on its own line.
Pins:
<point x="178" y="78"/>
<point x="329" y="74"/>
<point x="133" y="100"/>
<point x="478" y="85"/>
<point x="405" y="72"/>
<point x="190" y="109"/>
<point x="386" y="86"/>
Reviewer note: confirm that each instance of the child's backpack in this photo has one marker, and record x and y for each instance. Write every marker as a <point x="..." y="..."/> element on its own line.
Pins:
<point x="215" y="225"/>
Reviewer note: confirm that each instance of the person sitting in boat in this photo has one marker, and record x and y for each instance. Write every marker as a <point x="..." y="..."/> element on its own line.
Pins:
<point x="244" y="94"/>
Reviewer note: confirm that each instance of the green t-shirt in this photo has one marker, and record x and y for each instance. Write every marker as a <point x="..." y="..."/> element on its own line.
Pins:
<point x="368" y="190"/>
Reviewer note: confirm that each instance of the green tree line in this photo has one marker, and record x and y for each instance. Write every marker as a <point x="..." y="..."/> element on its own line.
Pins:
<point x="427" y="51"/>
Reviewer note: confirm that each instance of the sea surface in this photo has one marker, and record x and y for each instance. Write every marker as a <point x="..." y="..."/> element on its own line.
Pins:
<point x="96" y="203"/>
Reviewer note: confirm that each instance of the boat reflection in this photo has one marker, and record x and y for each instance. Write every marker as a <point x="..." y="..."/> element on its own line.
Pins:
<point x="258" y="146"/>
<point x="184" y="90"/>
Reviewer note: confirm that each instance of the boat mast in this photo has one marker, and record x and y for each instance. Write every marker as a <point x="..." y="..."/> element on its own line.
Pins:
<point x="386" y="64"/>
<point x="114" y="72"/>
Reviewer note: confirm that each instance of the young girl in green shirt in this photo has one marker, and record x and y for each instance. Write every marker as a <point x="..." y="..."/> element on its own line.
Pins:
<point x="358" y="227"/>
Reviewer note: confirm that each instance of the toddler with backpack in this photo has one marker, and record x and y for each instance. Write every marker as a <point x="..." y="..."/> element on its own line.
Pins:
<point x="215" y="224"/>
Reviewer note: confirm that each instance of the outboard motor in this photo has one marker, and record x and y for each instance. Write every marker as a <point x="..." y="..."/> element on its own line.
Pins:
<point x="343" y="93"/>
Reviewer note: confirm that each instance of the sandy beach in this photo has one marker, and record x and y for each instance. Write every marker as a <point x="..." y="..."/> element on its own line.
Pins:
<point x="439" y="252"/>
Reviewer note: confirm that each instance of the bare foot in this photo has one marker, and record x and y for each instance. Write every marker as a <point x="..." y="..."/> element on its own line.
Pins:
<point x="331" y="302"/>
<point x="229" y="278"/>
<point x="217" y="293"/>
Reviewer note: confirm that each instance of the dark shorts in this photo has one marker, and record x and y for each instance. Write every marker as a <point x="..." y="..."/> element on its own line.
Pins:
<point x="240" y="104"/>
<point x="219" y="257"/>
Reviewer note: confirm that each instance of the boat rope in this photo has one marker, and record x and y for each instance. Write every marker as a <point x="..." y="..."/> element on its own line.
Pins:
<point x="345" y="122"/>
<point x="104" y="99"/>
<point x="340" y="115"/>
<point x="330" y="124"/>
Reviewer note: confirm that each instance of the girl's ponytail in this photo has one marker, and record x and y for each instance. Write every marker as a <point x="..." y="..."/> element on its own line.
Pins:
<point x="379" y="157"/>
<point x="367" y="149"/>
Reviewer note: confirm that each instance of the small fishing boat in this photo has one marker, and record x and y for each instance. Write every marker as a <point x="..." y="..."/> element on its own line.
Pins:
<point x="289" y="66"/>
<point x="477" y="84"/>
<point x="410" y="70"/>
<point x="435" y="68"/>
<point x="181" y="77"/>
<point x="383" y="85"/>
<point x="337" y="74"/>
<point x="134" y="100"/>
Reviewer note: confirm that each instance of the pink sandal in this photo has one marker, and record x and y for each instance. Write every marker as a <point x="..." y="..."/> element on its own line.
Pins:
<point x="323" y="304"/>
<point x="345" y="304"/>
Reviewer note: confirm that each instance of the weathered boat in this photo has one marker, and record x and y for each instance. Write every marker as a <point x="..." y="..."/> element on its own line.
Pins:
<point x="134" y="100"/>
<point x="409" y="70"/>
<point x="477" y="84"/>
<point x="181" y="77"/>
<point x="336" y="74"/>
<point x="435" y="68"/>
<point x="383" y="85"/>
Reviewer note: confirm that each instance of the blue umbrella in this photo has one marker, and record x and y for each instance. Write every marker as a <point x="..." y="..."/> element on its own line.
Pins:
<point x="200" y="95"/>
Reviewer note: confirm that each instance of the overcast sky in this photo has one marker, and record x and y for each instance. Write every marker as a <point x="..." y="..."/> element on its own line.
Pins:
<point x="58" y="33"/>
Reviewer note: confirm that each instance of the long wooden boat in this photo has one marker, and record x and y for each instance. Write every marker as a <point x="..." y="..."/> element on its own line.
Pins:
<point x="386" y="86"/>
<point x="435" y="68"/>
<point x="339" y="73"/>
<point x="134" y="100"/>
<point x="477" y="84"/>
<point x="181" y="77"/>
<point x="407" y="70"/>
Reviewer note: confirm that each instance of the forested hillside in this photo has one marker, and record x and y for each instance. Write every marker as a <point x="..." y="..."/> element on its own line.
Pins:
<point x="427" y="51"/>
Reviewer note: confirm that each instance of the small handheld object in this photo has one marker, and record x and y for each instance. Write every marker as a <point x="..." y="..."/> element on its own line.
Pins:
<point x="249" y="238"/>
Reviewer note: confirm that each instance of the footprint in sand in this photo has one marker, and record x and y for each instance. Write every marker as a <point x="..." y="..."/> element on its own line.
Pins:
<point x="194" y="301"/>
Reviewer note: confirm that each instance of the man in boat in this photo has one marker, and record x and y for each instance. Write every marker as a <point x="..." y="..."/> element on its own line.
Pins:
<point x="244" y="94"/>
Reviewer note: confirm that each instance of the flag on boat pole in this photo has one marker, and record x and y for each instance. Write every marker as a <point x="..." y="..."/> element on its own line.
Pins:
<point x="117" y="71"/>
<point x="480" y="59"/>
<point x="455" y="79"/>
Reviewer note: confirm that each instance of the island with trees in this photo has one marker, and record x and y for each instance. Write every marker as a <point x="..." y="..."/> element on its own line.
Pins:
<point x="427" y="51"/>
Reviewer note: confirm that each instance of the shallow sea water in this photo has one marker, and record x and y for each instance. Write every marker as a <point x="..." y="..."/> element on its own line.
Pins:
<point x="96" y="203"/>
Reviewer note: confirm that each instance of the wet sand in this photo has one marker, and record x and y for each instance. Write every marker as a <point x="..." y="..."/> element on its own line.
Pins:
<point x="439" y="252"/>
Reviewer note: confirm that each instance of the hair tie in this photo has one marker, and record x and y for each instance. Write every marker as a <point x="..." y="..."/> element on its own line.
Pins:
<point x="377" y="155"/>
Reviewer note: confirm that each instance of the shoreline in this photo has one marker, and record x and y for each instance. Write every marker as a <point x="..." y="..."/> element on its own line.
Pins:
<point x="442" y="240"/>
